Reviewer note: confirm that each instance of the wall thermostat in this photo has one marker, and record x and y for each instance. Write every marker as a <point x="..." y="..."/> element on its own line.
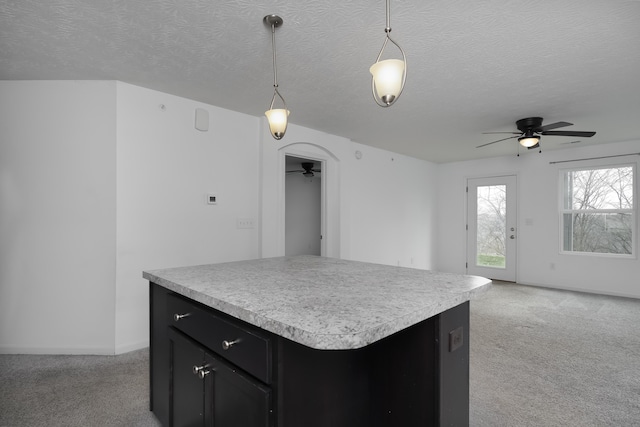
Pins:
<point x="212" y="199"/>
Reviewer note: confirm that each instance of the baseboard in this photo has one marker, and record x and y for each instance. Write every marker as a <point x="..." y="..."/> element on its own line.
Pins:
<point x="121" y="349"/>
<point x="574" y="289"/>
<point x="98" y="351"/>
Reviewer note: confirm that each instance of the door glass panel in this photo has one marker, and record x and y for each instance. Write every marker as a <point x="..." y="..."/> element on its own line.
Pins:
<point x="492" y="226"/>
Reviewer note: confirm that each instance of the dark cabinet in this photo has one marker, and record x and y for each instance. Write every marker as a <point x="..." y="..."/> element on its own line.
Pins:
<point x="206" y="369"/>
<point x="209" y="369"/>
<point x="205" y="391"/>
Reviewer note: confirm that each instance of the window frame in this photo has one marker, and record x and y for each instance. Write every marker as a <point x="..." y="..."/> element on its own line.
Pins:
<point x="633" y="211"/>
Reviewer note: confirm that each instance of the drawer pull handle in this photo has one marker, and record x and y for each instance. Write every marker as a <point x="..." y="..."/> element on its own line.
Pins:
<point x="226" y="345"/>
<point x="201" y="371"/>
<point x="177" y="316"/>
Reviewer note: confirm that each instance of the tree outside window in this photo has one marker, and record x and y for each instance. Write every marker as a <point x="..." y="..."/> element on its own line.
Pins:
<point x="598" y="212"/>
<point x="491" y="228"/>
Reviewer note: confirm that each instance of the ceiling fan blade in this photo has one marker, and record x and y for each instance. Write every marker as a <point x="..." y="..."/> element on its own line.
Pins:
<point x="552" y="126"/>
<point x="570" y="142"/>
<point x="492" y="133"/>
<point x="503" y="139"/>
<point x="569" y="133"/>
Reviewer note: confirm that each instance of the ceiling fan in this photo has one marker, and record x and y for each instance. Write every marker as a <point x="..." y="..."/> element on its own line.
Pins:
<point x="530" y="130"/>
<point x="307" y="169"/>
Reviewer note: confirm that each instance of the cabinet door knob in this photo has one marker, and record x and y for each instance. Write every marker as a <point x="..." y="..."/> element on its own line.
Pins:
<point x="226" y="345"/>
<point x="177" y="316"/>
<point x="197" y="369"/>
<point x="203" y="373"/>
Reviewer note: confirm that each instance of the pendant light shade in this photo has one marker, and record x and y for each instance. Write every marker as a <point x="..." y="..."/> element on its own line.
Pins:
<point x="389" y="75"/>
<point x="277" y="117"/>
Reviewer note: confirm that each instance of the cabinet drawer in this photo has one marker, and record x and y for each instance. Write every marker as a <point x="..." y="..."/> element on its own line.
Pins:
<point x="233" y="342"/>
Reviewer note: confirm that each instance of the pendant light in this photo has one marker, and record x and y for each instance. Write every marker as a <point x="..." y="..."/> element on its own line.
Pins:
<point x="388" y="76"/>
<point x="277" y="117"/>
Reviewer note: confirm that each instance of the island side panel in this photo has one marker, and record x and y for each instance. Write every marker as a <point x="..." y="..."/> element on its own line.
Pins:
<point x="454" y="366"/>
<point x="406" y="381"/>
<point x="319" y="388"/>
<point x="411" y="378"/>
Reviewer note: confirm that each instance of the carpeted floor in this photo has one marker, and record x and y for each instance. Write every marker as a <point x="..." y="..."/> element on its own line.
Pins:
<point x="65" y="391"/>
<point x="539" y="357"/>
<point x="542" y="357"/>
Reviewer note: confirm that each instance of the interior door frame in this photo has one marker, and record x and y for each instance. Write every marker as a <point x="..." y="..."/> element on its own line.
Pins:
<point x="323" y="192"/>
<point x="510" y="272"/>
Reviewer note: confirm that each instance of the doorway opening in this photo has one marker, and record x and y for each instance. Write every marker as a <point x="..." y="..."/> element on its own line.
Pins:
<point x="303" y="206"/>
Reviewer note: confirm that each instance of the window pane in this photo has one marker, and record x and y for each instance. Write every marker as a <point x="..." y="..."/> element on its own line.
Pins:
<point x="598" y="232"/>
<point x="610" y="188"/>
<point x="492" y="226"/>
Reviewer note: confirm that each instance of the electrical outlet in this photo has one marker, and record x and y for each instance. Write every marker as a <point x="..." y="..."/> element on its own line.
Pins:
<point x="456" y="339"/>
<point x="244" y="223"/>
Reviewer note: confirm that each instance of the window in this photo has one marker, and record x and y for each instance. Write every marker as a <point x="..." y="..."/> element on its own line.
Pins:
<point x="492" y="225"/>
<point x="598" y="213"/>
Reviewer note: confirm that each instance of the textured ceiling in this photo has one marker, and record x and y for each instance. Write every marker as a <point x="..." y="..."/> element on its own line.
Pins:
<point x="473" y="67"/>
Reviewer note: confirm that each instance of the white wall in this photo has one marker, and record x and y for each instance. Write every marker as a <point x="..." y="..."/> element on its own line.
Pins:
<point x="539" y="261"/>
<point x="102" y="180"/>
<point x="382" y="208"/>
<point x="392" y="208"/>
<point x="57" y="216"/>
<point x="98" y="184"/>
<point x="166" y="168"/>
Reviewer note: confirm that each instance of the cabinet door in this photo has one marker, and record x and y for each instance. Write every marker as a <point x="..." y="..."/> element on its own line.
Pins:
<point x="186" y="389"/>
<point x="236" y="398"/>
<point x="205" y="391"/>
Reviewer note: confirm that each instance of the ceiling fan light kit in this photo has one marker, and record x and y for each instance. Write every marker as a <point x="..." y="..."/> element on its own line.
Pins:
<point x="389" y="75"/>
<point x="529" y="140"/>
<point x="277" y="117"/>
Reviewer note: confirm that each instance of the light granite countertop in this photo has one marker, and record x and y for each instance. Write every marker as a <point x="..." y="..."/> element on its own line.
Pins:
<point x="323" y="303"/>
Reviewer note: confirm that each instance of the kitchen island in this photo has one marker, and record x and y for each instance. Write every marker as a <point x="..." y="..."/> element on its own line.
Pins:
<point x="310" y="341"/>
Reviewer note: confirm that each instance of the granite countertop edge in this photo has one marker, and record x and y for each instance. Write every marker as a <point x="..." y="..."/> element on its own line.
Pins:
<point x="326" y="341"/>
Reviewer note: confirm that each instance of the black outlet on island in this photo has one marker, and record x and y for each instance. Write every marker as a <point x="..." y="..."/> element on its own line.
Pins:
<point x="456" y="339"/>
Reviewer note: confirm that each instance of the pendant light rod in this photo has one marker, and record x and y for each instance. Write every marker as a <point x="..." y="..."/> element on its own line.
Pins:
<point x="274" y="21"/>
<point x="388" y="28"/>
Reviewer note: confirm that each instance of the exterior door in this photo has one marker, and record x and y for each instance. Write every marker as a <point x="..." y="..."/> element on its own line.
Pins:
<point x="491" y="227"/>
